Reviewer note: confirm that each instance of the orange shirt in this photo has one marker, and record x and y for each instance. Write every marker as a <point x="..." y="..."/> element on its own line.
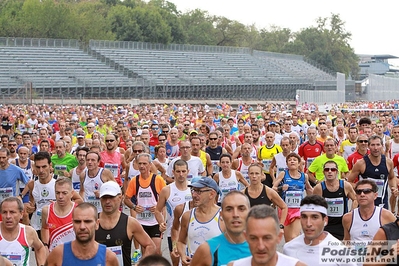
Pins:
<point x="144" y="183"/>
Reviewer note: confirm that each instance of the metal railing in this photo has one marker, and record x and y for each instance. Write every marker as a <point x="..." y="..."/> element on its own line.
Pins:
<point x="172" y="47"/>
<point x="34" y="42"/>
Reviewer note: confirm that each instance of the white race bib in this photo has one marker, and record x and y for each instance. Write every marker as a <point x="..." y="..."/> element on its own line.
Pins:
<point x="5" y="193"/>
<point x="118" y="252"/>
<point x="335" y="207"/>
<point x="215" y="167"/>
<point x="266" y="164"/>
<point x="146" y="215"/>
<point x="113" y="168"/>
<point x="95" y="201"/>
<point x="59" y="169"/>
<point x="293" y="198"/>
<point x="380" y="185"/>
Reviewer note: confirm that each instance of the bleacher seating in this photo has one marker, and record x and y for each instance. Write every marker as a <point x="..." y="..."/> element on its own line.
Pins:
<point x="109" y="71"/>
<point x="55" y="67"/>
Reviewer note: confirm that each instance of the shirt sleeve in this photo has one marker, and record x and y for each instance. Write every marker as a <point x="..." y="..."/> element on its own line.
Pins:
<point x="131" y="189"/>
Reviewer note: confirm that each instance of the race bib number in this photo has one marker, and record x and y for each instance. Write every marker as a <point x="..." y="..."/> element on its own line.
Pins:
<point x="215" y="167"/>
<point x="293" y="198"/>
<point x="113" y="168"/>
<point x="60" y="169"/>
<point x="146" y="214"/>
<point x="76" y="186"/>
<point x="15" y="259"/>
<point x="380" y="185"/>
<point x="5" y="193"/>
<point x="309" y="161"/>
<point x="93" y="200"/>
<point x="335" y="207"/>
<point x="118" y="252"/>
<point x="266" y="165"/>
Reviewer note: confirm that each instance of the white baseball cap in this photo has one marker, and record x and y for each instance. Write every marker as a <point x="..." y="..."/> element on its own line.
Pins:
<point x="110" y="188"/>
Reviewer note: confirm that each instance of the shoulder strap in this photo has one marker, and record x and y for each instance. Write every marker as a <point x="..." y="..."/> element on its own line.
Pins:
<point x="137" y="184"/>
<point x="153" y="187"/>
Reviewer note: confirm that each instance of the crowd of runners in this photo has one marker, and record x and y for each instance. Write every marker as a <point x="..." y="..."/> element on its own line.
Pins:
<point x="223" y="185"/>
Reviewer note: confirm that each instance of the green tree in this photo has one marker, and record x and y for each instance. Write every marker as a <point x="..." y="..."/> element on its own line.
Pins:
<point x="122" y="24"/>
<point x="198" y="27"/>
<point x="327" y="44"/>
<point x="229" y="32"/>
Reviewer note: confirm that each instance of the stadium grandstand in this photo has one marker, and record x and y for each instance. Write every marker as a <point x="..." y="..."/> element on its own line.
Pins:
<point x="106" y="69"/>
<point x="378" y="80"/>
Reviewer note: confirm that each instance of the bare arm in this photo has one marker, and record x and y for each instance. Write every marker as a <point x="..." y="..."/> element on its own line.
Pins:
<point x="209" y="167"/>
<point x="160" y="206"/>
<point x="107" y="176"/>
<point x="34" y="241"/>
<point x="110" y="258"/>
<point x="236" y="152"/>
<point x="278" y="180"/>
<point x="347" y="223"/>
<point x="55" y="256"/>
<point x="271" y="169"/>
<point x="76" y="197"/>
<point x="278" y="201"/>
<point x="136" y="230"/>
<point x="181" y="244"/>
<point x="216" y="178"/>
<point x="241" y="178"/>
<point x="44" y="232"/>
<point x="351" y="194"/>
<point x="202" y="256"/>
<point x="357" y="169"/>
<point x="82" y="188"/>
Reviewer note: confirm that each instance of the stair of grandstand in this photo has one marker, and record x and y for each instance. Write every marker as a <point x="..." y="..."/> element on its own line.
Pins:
<point x="48" y="67"/>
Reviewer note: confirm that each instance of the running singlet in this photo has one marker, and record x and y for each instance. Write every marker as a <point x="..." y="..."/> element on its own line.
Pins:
<point x="294" y="194"/>
<point x="68" y="258"/>
<point x="117" y="237"/>
<point x="60" y="228"/>
<point x="18" y="250"/>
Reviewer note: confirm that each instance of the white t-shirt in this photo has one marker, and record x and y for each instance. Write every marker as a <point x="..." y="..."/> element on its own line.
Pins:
<point x="195" y="167"/>
<point x="283" y="260"/>
<point x="297" y="248"/>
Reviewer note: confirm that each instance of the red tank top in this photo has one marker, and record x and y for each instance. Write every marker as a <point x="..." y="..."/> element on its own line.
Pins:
<point x="60" y="228"/>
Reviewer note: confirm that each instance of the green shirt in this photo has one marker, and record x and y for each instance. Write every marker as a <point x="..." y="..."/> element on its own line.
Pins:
<point x="69" y="160"/>
<point x="317" y="166"/>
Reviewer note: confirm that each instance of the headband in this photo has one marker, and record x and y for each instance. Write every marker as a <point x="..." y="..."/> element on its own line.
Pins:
<point x="313" y="208"/>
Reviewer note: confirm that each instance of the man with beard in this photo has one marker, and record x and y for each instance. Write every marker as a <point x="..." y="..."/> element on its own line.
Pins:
<point x="111" y="159"/>
<point x="84" y="249"/>
<point x="117" y="229"/>
<point x="74" y="174"/>
<point x="12" y="147"/>
<point x="62" y="161"/>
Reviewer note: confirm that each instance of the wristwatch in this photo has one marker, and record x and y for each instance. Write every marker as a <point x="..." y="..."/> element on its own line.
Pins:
<point x="134" y="207"/>
<point x="281" y="226"/>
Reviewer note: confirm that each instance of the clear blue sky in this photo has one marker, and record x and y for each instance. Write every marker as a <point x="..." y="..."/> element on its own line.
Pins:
<point x="373" y="24"/>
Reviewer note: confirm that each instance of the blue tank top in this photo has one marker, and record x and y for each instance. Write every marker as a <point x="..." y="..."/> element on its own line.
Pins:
<point x="223" y="251"/>
<point x="298" y="185"/>
<point x="69" y="258"/>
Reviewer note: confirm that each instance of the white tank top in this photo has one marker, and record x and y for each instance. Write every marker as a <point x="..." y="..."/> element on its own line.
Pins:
<point x="76" y="179"/>
<point x="227" y="184"/>
<point x="362" y="230"/>
<point x="146" y="199"/>
<point x="17" y="250"/>
<point x="394" y="149"/>
<point x="283" y="260"/>
<point x="165" y="164"/>
<point x="90" y="185"/>
<point x="175" y="198"/>
<point x="43" y="195"/>
<point x="27" y="170"/>
<point x="281" y="163"/>
<point x="198" y="233"/>
<point x="132" y="172"/>
<point x="57" y="136"/>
